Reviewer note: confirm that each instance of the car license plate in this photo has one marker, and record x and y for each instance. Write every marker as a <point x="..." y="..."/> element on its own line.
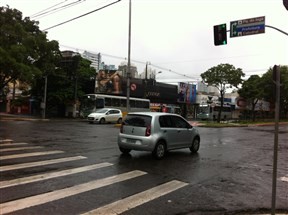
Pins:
<point x="130" y="141"/>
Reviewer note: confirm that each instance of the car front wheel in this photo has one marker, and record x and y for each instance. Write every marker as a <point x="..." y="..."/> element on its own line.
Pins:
<point x="195" y="145"/>
<point x="160" y="150"/>
<point x="102" y="121"/>
<point x="119" y="121"/>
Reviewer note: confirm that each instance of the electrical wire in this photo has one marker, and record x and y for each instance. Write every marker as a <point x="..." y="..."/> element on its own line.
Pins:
<point x="36" y="14"/>
<point x="41" y="15"/>
<point x="93" y="11"/>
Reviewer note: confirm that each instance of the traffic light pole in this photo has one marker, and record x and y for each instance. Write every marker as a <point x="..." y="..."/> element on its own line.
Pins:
<point x="276" y="74"/>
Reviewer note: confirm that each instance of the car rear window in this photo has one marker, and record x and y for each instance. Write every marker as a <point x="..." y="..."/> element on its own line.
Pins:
<point x="138" y="120"/>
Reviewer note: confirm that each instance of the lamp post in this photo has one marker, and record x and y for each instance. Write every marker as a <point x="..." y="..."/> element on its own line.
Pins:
<point x="128" y="66"/>
<point x="45" y="98"/>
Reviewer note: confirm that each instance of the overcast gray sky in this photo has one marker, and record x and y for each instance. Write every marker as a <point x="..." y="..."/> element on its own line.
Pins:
<point x="174" y="35"/>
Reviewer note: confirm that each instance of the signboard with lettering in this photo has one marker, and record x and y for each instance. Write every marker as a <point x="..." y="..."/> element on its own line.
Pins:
<point x="247" y="27"/>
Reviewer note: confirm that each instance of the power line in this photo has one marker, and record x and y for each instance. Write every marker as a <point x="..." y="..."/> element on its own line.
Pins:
<point x="62" y="23"/>
<point x="54" y="10"/>
<point x="35" y="14"/>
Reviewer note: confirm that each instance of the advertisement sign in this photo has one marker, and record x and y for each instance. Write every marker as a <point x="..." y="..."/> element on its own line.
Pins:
<point x="108" y="81"/>
<point x="186" y="93"/>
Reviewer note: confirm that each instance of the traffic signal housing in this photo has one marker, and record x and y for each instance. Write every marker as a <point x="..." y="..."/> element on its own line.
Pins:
<point x="220" y="35"/>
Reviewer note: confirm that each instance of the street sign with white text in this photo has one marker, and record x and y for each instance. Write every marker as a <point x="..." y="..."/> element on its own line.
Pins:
<point x="247" y="27"/>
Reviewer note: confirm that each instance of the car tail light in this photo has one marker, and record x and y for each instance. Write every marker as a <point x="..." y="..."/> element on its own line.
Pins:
<point x="148" y="131"/>
<point x="121" y="127"/>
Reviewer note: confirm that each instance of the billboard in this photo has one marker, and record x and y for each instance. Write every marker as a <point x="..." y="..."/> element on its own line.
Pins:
<point x="109" y="82"/>
<point x="186" y="93"/>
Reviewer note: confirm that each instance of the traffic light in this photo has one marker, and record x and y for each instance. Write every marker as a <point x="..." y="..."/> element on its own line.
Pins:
<point x="220" y="35"/>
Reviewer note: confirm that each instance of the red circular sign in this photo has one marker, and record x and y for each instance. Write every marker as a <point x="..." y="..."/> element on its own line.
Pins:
<point x="133" y="87"/>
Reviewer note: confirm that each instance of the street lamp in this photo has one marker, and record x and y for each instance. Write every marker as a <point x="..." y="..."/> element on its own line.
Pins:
<point x="45" y="98"/>
<point x="159" y="72"/>
<point x="128" y="66"/>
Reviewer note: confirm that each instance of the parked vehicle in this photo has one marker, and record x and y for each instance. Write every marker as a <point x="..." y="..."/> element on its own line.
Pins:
<point x="157" y="132"/>
<point x="106" y="115"/>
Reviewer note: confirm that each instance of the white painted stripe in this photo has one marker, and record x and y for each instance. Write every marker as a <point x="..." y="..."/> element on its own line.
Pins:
<point x="20" y="148"/>
<point x="6" y="141"/>
<point x="46" y="176"/>
<point x="31" y="201"/>
<point x="13" y="144"/>
<point x="29" y="155"/>
<point x="39" y="163"/>
<point x="284" y="178"/>
<point x="130" y="202"/>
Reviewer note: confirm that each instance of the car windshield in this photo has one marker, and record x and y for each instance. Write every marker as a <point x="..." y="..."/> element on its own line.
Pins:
<point x="104" y="110"/>
<point x="138" y="120"/>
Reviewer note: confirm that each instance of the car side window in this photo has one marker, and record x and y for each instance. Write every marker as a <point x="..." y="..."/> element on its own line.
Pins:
<point x="165" y="122"/>
<point x="179" y="122"/>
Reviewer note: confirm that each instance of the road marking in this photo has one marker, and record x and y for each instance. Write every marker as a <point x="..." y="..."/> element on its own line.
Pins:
<point x="46" y="176"/>
<point x="5" y="141"/>
<point x="20" y="148"/>
<point x="13" y="144"/>
<point x="29" y="155"/>
<point x="284" y="178"/>
<point x="39" y="163"/>
<point x="31" y="201"/>
<point x="130" y="202"/>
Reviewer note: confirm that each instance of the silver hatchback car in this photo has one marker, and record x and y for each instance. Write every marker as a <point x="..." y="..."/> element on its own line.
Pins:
<point x="157" y="132"/>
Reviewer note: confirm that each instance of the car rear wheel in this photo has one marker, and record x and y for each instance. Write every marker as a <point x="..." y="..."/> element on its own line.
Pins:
<point x="125" y="151"/>
<point x="102" y="121"/>
<point x="195" y="145"/>
<point x="160" y="150"/>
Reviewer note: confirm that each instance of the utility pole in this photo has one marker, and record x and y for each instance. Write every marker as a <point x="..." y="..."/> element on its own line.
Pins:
<point x="128" y="66"/>
<point x="45" y="98"/>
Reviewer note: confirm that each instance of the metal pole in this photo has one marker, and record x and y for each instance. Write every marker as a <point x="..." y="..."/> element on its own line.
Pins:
<point x="128" y="66"/>
<point x="276" y="69"/>
<point x="45" y="96"/>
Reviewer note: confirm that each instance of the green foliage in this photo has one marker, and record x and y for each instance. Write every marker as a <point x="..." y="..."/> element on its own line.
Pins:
<point x="222" y="77"/>
<point x="269" y="88"/>
<point x="252" y="91"/>
<point x="25" y="51"/>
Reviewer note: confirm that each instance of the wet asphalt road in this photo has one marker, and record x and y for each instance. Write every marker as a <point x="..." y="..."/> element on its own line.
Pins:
<point x="231" y="174"/>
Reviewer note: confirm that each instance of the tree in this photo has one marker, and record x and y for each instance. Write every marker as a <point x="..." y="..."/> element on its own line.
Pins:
<point x="222" y="77"/>
<point x="73" y="77"/>
<point x="252" y="91"/>
<point x="25" y="51"/>
<point x="269" y="89"/>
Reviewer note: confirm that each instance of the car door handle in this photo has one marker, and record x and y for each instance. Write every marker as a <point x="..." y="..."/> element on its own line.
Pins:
<point x="178" y="131"/>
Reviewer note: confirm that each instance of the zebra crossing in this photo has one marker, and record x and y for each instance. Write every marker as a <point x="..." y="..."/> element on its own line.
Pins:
<point x="23" y="150"/>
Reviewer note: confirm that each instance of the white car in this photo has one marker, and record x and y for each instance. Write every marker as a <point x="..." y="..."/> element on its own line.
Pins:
<point x="106" y="115"/>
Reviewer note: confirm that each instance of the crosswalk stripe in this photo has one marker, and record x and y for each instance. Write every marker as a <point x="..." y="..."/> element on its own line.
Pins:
<point x="6" y="141"/>
<point x="29" y="155"/>
<point x="133" y="201"/>
<point x="284" y="178"/>
<point x="20" y="148"/>
<point x="46" y="176"/>
<point x="13" y="144"/>
<point x="20" y="204"/>
<point x="39" y="163"/>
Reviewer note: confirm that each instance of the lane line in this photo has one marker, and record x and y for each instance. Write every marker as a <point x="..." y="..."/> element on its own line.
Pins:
<point x="31" y="201"/>
<point x="20" y="148"/>
<point x="130" y="202"/>
<point x="13" y="144"/>
<point x="6" y="157"/>
<point x="45" y="176"/>
<point x="39" y="163"/>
